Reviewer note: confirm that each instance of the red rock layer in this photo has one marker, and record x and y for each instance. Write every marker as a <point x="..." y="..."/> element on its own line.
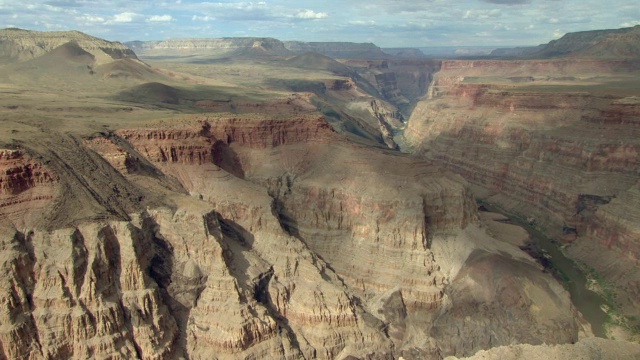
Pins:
<point x="26" y="187"/>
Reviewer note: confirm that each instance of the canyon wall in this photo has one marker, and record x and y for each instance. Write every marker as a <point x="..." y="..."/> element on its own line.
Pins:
<point x="555" y="142"/>
<point x="258" y="237"/>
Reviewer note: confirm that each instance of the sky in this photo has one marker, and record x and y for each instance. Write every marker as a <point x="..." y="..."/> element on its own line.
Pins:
<point x="387" y="23"/>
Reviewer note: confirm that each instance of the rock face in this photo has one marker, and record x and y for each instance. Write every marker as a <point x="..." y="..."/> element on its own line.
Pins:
<point x="550" y="147"/>
<point x="273" y="238"/>
<point x="26" y="187"/>
<point x="22" y="45"/>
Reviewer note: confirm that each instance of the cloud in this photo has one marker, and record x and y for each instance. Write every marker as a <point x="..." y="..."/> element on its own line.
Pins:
<point x="202" y="18"/>
<point x="160" y="18"/>
<point x="125" y="17"/>
<point x="630" y="23"/>
<point x="481" y="14"/>
<point x="508" y="2"/>
<point x="310" y="14"/>
<point x="87" y="18"/>
<point x="558" y="34"/>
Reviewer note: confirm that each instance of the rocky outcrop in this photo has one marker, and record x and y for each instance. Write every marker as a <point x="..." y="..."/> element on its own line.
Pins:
<point x="22" y="45"/>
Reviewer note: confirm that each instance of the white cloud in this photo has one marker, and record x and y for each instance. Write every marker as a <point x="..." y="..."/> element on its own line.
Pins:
<point x="92" y="18"/>
<point x="160" y="18"/>
<point x="125" y="17"/>
<point x="362" y="22"/>
<point x="202" y="18"/>
<point x="481" y="14"/>
<point x="630" y="23"/>
<point x="310" y="14"/>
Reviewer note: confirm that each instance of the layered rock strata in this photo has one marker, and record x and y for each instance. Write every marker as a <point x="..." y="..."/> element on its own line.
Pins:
<point x="553" y="147"/>
<point x="291" y="243"/>
<point x="26" y="187"/>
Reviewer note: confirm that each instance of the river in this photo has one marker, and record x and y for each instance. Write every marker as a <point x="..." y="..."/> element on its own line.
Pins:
<point x="588" y="302"/>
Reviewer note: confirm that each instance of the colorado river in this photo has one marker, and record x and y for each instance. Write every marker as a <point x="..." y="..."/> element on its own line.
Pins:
<point x="572" y="277"/>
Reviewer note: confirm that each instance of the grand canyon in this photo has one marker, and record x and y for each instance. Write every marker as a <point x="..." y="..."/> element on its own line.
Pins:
<point x="251" y="198"/>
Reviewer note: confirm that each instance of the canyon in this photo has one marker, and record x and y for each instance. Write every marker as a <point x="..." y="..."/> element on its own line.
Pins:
<point x="259" y="207"/>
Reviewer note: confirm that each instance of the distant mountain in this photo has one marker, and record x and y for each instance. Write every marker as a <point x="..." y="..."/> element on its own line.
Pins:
<point x="407" y="53"/>
<point x="517" y="51"/>
<point x="601" y="44"/>
<point x="17" y="45"/>
<point x="217" y="48"/>
<point x="211" y="48"/>
<point x="338" y="50"/>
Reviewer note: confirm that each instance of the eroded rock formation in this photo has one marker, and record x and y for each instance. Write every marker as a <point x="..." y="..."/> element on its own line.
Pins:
<point x="282" y="248"/>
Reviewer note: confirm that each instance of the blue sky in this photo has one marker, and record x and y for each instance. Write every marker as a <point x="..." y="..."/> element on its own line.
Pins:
<point x="387" y="23"/>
